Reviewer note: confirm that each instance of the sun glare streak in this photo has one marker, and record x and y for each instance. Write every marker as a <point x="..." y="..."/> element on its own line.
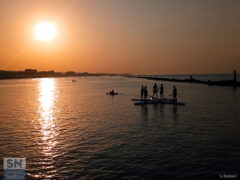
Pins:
<point x="46" y="120"/>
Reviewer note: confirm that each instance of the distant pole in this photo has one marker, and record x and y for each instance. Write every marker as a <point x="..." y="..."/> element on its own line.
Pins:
<point x="235" y="76"/>
<point x="191" y="78"/>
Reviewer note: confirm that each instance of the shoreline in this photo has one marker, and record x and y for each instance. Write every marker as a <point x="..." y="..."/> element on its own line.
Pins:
<point x="36" y="77"/>
<point x="6" y="75"/>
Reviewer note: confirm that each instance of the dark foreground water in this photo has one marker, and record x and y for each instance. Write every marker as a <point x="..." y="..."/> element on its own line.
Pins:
<point x="73" y="130"/>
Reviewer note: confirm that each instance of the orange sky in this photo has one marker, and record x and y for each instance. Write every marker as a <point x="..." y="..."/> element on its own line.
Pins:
<point x="122" y="36"/>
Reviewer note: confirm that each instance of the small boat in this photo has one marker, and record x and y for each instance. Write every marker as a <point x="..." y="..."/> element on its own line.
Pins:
<point x="112" y="93"/>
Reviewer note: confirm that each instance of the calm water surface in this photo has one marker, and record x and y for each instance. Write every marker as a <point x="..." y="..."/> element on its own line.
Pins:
<point x="73" y="130"/>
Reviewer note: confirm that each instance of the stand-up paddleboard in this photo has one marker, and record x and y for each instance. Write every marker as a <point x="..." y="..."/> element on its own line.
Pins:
<point x="140" y="99"/>
<point x="149" y="98"/>
<point x="156" y="101"/>
<point x="163" y="102"/>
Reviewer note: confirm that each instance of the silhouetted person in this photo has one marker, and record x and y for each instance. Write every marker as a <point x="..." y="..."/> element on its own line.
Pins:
<point x="155" y="89"/>
<point x="142" y="91"/>
<point x="112" y="92"/>
<point x="145" y="92"/>
<point x="161" y="91"/>
<point x="174" y="93"/>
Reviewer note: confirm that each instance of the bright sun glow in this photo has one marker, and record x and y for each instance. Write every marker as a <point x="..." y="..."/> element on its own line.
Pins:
<point x="45" y="31"/>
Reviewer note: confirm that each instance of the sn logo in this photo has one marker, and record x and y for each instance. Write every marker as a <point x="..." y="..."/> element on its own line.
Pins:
<point x="14" y="163"/>
<point x="14" y="168"/>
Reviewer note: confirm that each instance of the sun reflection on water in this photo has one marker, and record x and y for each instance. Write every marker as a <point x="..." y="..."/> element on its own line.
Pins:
<point x="46" y="120"/>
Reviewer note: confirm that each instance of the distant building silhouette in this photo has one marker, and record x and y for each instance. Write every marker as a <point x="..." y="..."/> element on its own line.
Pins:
<point x="46" y="72"/>
<point x="31" y="71"/>
<point x="70" y="73"/>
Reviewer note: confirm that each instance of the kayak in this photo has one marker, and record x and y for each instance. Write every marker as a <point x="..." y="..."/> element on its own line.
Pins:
<point x="157" y="101"/>
<point x="112" y="94"/>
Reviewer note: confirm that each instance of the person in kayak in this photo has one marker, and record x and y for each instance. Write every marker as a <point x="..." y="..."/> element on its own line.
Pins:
<point x="145" y="92"/>
<point x="112" y="92"/>
<point x="155" y="89"/>
<point x="142" y="91"/>
<point x="161" y="91"/>
<point x="174" y="93"/>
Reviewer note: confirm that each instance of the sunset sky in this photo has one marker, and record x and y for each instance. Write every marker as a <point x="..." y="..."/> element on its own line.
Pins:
<point x="122" y="36"/>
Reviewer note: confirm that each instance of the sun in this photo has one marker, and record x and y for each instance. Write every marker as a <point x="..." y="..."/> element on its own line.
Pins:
<point x="45" y="31"/>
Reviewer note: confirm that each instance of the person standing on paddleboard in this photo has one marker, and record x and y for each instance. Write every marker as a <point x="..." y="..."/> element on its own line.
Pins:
<point x="145" y="92"/>
<point x="142" y="91"/>
<point x="155" y="89"/>
<point x="161" y="91"/>
<point x="174" y="94"/>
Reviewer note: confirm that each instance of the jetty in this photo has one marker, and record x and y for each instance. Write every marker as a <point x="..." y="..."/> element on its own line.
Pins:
<point x="232" y="82"/>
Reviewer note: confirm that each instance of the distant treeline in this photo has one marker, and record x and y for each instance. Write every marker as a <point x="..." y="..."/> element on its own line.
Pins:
<point x="34" y="73"/>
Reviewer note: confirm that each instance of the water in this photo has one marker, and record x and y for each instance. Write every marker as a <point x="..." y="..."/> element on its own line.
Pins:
<point x="73" y="130"/>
